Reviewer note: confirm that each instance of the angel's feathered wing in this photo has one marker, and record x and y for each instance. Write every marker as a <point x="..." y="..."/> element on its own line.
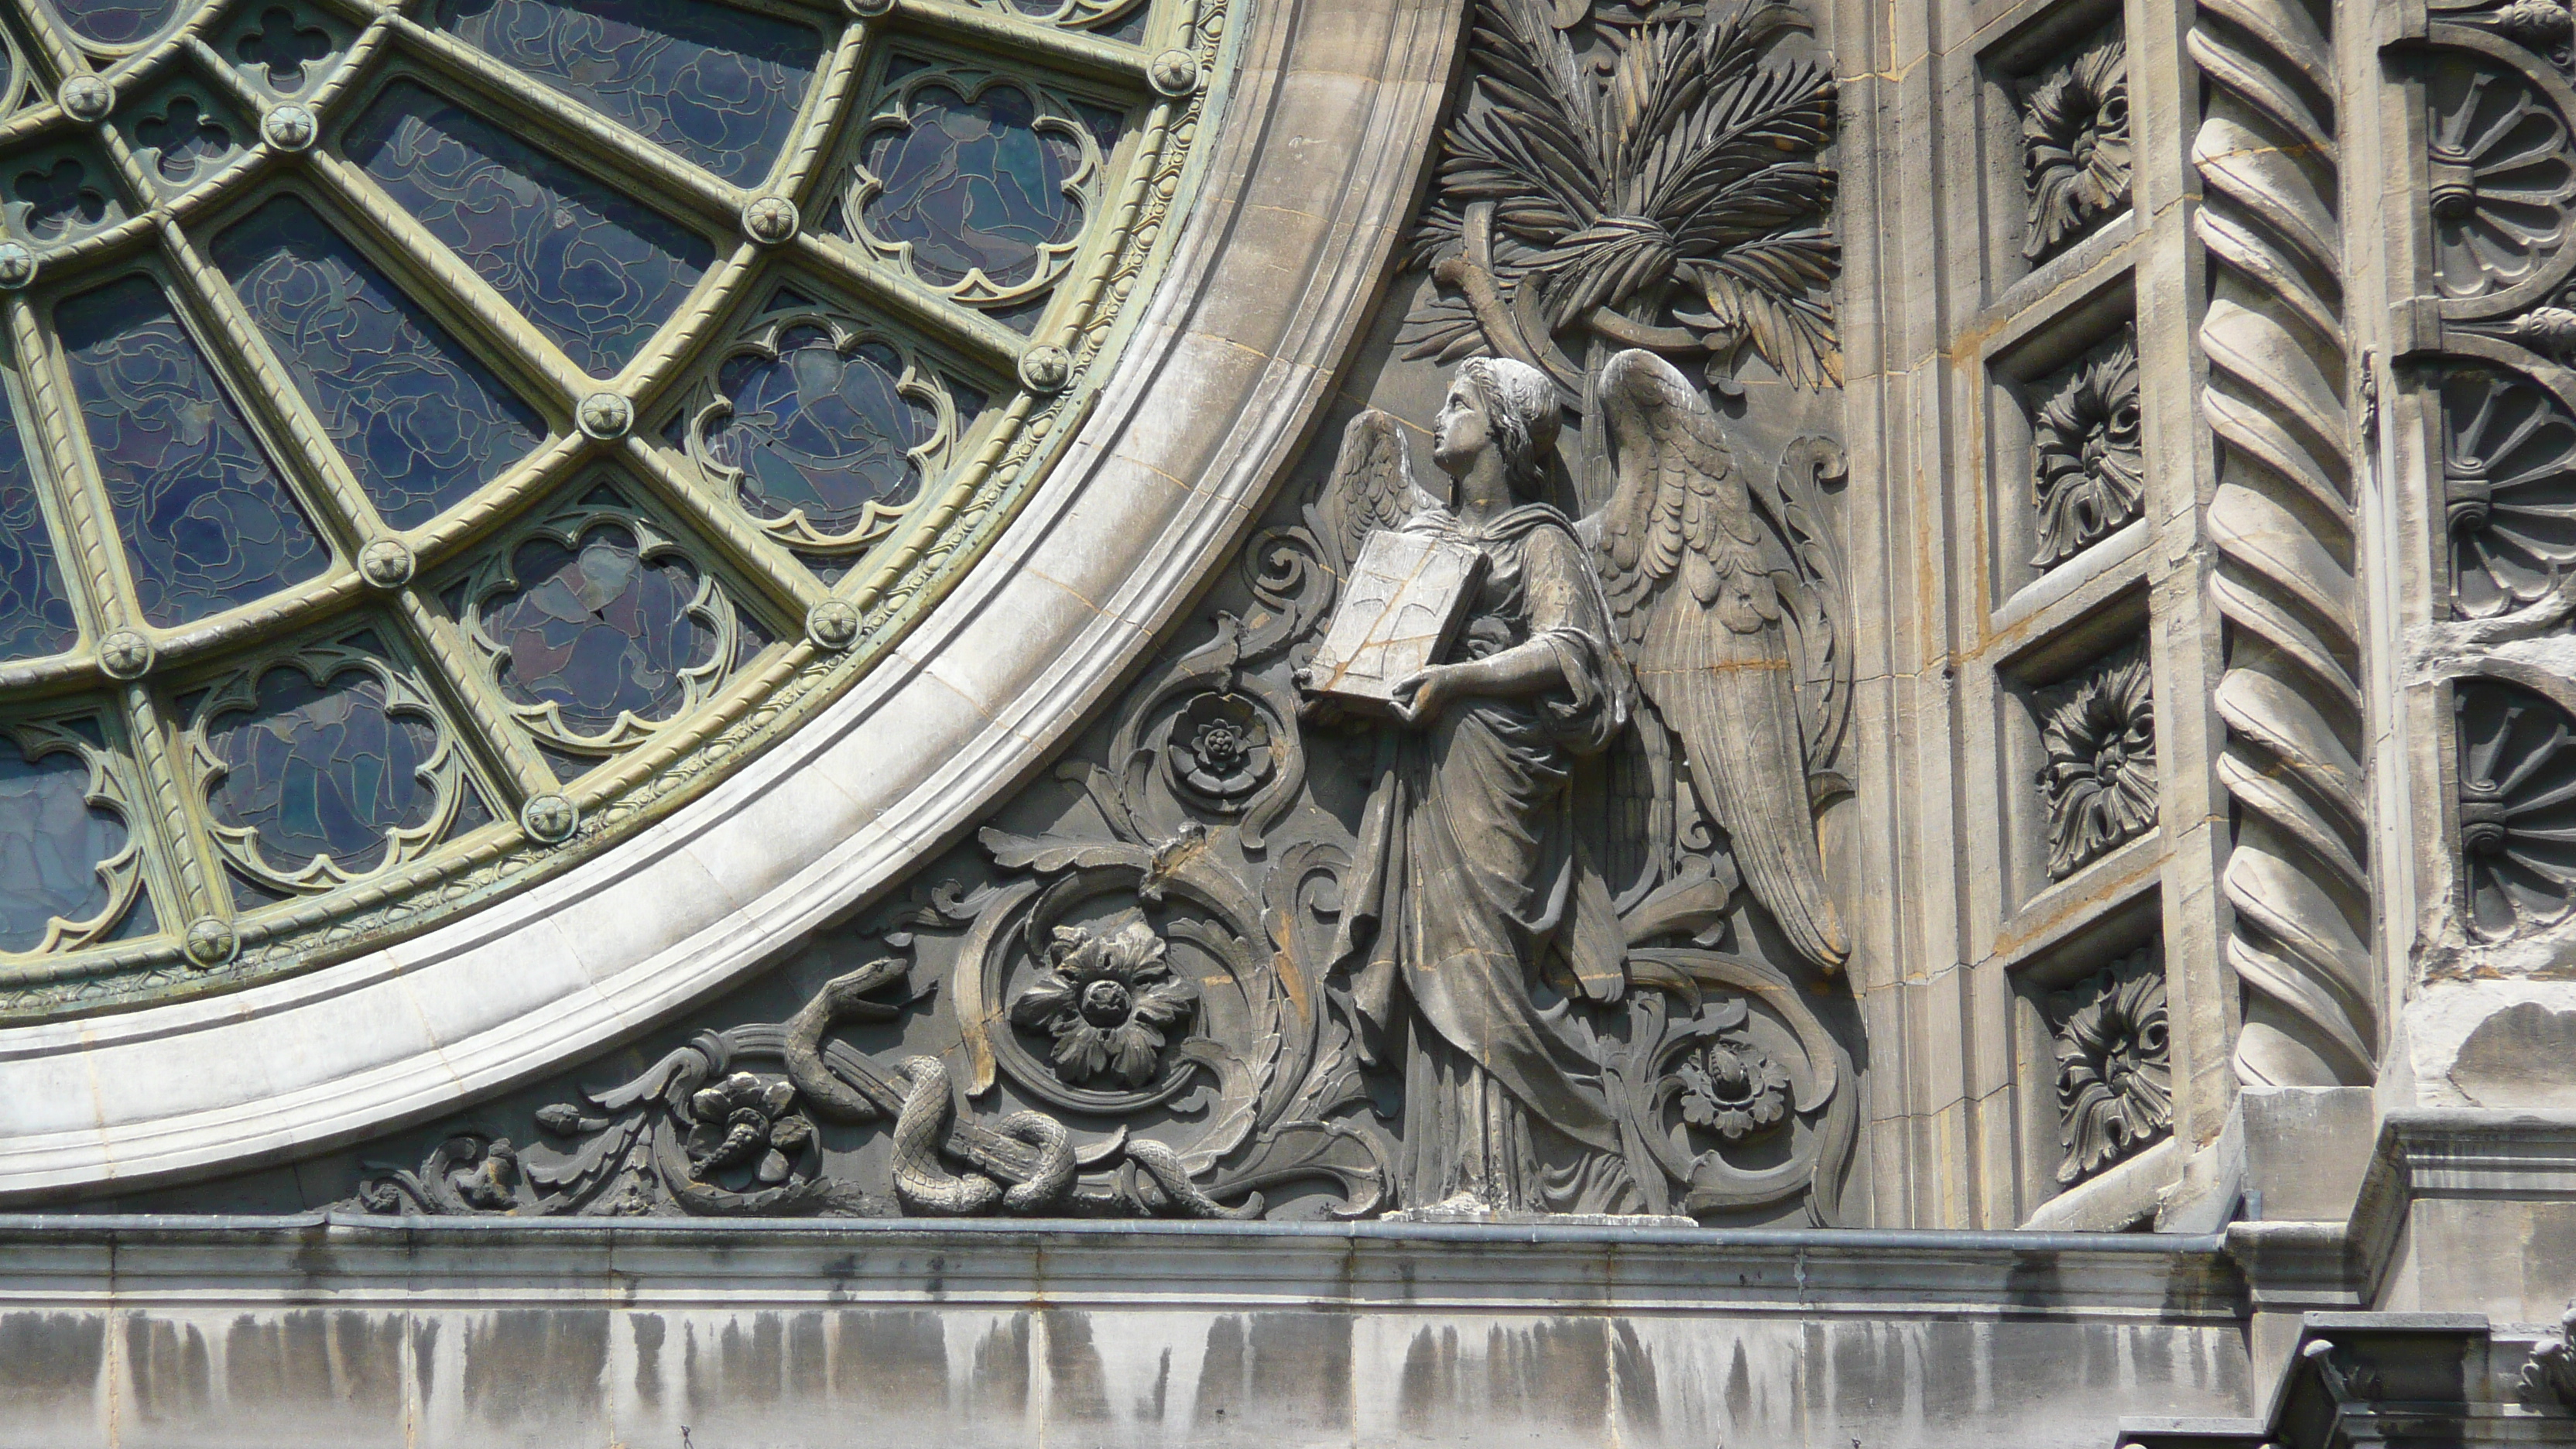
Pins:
<point x="1680" y="553"/>
<point x="1371" y="488"/>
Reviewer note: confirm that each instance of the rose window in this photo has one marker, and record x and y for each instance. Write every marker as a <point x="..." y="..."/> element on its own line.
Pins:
<point x="436" y="440"/>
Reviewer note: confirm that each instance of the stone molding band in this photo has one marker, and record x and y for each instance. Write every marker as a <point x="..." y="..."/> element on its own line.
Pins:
<point x="1116" y="541"/>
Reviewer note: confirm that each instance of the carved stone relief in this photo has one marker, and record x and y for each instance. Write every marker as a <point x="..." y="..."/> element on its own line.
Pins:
<point x="2281" y="519"/>
<point x="2098" y="731"/>
<point x="2088" y="470"/>
<point x="2549" y="1376"/>
<point x="2508" y="488"/>
<point x="2114" y="1074"/>
<point x="2075" y="142"/>
<point x="2517" y="781"/>
<point x="1541" y="926"/>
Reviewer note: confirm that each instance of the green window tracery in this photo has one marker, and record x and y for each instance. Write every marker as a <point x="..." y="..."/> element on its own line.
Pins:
<point x="440" y="436"/>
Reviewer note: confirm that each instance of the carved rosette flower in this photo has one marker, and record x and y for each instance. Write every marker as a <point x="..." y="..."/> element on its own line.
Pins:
<point x="2075" y="142"/>
<point x="1108" y="1001"/>
<point x="2099" y="732"/>
<point x="1221" y="747"/>
<point x="745" y="1120"/>
<point x="2089" y="470"/>
<point x="2499" y="182"/>
<point x="2114" y="1074"/>
<point x="2517" y="808"/>
<point x="1734" y="1089"/>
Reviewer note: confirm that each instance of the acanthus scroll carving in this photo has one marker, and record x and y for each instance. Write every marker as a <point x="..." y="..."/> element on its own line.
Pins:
<point x="2089" y="474"/>
<point x="2114" y="1066"/>
<point x="1199" y="993"/>
<point x="2098" y="731"/>
<point x="1550" y="934"/>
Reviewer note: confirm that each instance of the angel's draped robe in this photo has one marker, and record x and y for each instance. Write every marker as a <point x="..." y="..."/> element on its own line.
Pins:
<point x="1472" y="900"/>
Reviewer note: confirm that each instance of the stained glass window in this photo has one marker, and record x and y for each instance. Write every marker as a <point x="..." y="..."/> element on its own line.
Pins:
<point x="422" y="429"/>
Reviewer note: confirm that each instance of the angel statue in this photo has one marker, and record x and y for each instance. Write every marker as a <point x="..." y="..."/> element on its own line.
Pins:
<point x="1481" y="928"/>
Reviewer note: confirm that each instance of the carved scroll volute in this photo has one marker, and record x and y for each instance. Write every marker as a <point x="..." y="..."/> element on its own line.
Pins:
<point x="2282" y="517"/>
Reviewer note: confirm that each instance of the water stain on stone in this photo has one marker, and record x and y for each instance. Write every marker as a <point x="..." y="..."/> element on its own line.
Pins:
<point x="1424" y="1385"/>
<point x="173" y="1379"/>
<point x="1554" y="1372"/>
<point x="650" y="1334"/>
<point x="536" y="1365"/>
<point x="1077" y="1387"/>
<point x="1641" y="1407"/>
<point x="892" y="1359"/>
<point x="999" y="1386"/>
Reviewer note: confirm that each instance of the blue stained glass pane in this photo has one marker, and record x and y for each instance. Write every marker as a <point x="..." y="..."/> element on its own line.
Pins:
<point x="821" y="431"/>
<point x="421" y="422"/>
<point x="207" y="524"/>
<point x="115" y="22"/>
<point x="598" y="631"/>
<point x="35" y="617"/>
<point x="973" y="184"/>
<point x="717" y="85"/>
<point x="51" y="843"/>
<point x="592" y="270"/>
<point x="322" y="771"/>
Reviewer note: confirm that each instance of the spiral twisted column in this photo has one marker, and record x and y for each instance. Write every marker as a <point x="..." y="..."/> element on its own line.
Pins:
<point x="2281" y="518"/>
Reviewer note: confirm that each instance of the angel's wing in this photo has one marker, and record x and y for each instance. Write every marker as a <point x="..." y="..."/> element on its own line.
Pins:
<point x="1685" y="568"/>
<point x="1371" y="488"/>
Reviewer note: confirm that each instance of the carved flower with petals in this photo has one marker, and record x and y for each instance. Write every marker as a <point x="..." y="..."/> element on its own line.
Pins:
<point x="1109" y="1001"/>
<point x="1733" y="1089"/>
<point x="2075" y="142"/>
<point x="2100" y="781"/>
<point x="744" y="1119"/>
<point x="2090" y="470"/>
<point x="1220" y="746"/>
<point x="2114" y="1081"/>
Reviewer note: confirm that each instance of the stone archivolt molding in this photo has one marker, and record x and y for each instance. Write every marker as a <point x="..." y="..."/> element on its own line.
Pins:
<point x="2282" y="519"/>
<point x="1008" y="662"/>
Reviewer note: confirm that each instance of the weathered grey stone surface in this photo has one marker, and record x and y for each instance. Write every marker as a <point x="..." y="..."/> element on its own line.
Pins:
<point x="2016" y="672"/>
<point x="778" y="1333"/>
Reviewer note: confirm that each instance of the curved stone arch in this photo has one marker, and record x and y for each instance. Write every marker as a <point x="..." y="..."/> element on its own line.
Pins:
<point x="963" y="708"/>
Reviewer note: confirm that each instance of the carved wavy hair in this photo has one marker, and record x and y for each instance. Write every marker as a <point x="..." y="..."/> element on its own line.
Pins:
<point x="1520" y="408"/>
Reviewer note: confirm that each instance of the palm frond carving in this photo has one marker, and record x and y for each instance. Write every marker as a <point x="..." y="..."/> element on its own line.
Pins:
<point x="1646" y="177"/>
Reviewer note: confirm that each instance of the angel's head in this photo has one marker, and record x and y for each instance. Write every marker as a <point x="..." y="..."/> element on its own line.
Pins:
<point x="1503" y="408"/>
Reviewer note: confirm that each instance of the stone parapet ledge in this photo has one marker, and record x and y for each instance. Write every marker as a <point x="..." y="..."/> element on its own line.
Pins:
<point x="321" y="1329"/>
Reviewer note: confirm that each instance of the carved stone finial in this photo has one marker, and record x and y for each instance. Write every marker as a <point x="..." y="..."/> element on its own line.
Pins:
<point x="125" y="654"/>
<point x="832" y="624"/>
<point x="289" y="128"/>
<point x="86" y="98"/>
<point x="769" y="220"/>
<point x="549" y="818"/>
<point x="210" y="942"/>
<point x="1046" y="368"/>
<point x="386" y="563"/>
<point x="1175" y="73"/>
<point x="606" y="416"/>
